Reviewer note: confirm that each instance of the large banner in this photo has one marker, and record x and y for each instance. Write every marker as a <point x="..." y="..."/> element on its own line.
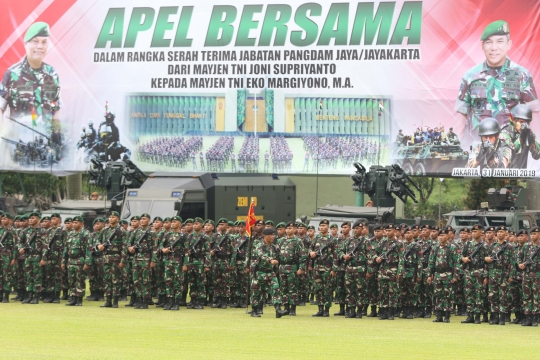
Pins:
<point x="440" y="87"/>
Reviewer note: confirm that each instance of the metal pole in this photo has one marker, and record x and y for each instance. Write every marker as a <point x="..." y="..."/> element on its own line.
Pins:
<point x="256" y="120"/>
<point x="440" y="198"/>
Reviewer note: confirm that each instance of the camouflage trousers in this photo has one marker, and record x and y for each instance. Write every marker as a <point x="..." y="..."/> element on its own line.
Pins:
<point x="409" y="292"/>
<point x="303" y="284"/>
<point x="323" y="287"/>
<point x="76" y="280"/>
<point x="425" y="291"/>
<point x="498" y="291"/>
<point x="355" y="285"/>
<point x="142" y="279"/>
<point x="240" y="281"/>
<point x="6" y="270"/>
<point x="443" y="297"/>
<point x="474" y="291"/>
<point x="515" y="295"/>
<point x="531" y="293"/>
<point x="388" y="288"/>
<point x="289" y="284"/>
<point x="196" y="278"/>
<point x="222" y="279"/>
<point x="209" y="283"/>
<point x="112" y="275"/>
<point x="373" y="290"/>
<point x="64" y="282"/>
<point x="95" y="275"/>
<point x="173" y="278"/>
<point x="34" y="273"/>
<point x="264" y="283"/>
<point x="19" y="276"/>
<point x="339" y="286"/>
<point x="127" y="280"/>
<point x="459" y="293"/>
<point x="158" y="283"/>
<point x="52" y="274"/>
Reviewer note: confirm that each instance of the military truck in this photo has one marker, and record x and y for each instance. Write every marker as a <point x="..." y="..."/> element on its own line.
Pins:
<point x="89" y="210"/>
<point x="431" y="159"/>
<point x="505" y="206"/>
<point x="13" y="206"/>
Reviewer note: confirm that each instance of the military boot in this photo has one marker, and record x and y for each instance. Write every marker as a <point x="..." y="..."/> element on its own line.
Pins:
<point x="427" y="313"/>
<point x="312" y="299"/>
<point x="287" y="309"/>
<point x="168" y="303"/>
<point x="279" y="312"/>
<point x="27" y="297"/>
<point x="391" y="312"/>
<point x="224" y="302"/>
<point x="320" y="312"/>
<point x="373" y="312"/>
<point x="292" y="312"/>
<point x="72" y="301"/>
<point x="115" y="302"/>
<point x="18" y="297"/>
<point x="131" y="302"/>
<point x="145" y="303"/>
<point x="174" y="304"/>
<point x="349" y="313"/>
<point x="108" y="303"/>
<point x="534" y="319"/>
<point x="477" y="318"/>
<point x="198" y="304"/>
<point x="502" y="318"/>
<point x="495" y="319"/>
<point x="359" y="312"/>
<point x="101" y="295"/>
<point x="527" y="321"/>
<point x="137" y="303"/>
<point x="254" y="312"/>
<point x="383" y="312"/>
<point x="47" y="297"/>
<point x="150" y="301"/>
<point x="409" y="310"/>
<point x="469" y="319"/>
<point x="182" y="301"/>
<point x="326" y="312"/>
<point x="364" y="310"/>
<point x="302" y="300"/>
<point x="79" y="301"/>
<point x="341" y="311"/>
<point x="485" y="317"/>
<point x="517" y="320"/>
<point x="161" y="301"/>
<point x="65" y="296"/>
<point x="35" y="298"/>
<point x="123" y="295"/>
<point x="5" y="300"/>
<point x="447" y="316"/>
<point x="238" y="303"/>
<point x="92" y="296"/>
<point x="507" y="316"/>
<point x="438" y="316"/>
<point x="56" y="297"/>
<point x="216" y="302"/>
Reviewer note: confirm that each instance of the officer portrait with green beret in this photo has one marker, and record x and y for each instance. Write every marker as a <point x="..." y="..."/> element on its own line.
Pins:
<point x="31" y="88"/>
<point x="494" y="87"/>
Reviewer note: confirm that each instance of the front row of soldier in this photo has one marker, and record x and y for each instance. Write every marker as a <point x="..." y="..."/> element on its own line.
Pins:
<point x="402" y="270"/>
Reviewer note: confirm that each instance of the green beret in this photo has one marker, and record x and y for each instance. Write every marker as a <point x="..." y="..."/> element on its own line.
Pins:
<point x="8" y="215"/>
<point x="146" y="215"/>
<point x="176" y="218"/>
<point x="36" y="29"/>
<point x="17" y="218"/>
<point x="333" y="226"/>
<point x="230" y="223"/>
<point x="67" y="220"/>
<point x="223" y="221"/>
<point x="241" y="223"/>
<point x="1" y="213"/>
<point x="136" y="217"/>
<point x="301" y="225"/>
<point x="159" y="218"/>
<point x="56" y="215"/>
<point x="124" y="222"/>
<point x="34" y="214"/>
<point x="324" y="222"/>
<point x="269" y="222"/>
<point x="208" y="221"/>
<point x="199" y="220"/>
<point x="280" y="225"/>
<point x="269" y="231"/>
<point x="44" y="218"/>
<point x="499" y="27"/>
<point x="78" y="218"/>
<point x="311" y="227"/>
<point x="188" y="221"/>
<point x="114" y="213"/>
<point x="167" y="219"/>
<point x="97" y="220"/>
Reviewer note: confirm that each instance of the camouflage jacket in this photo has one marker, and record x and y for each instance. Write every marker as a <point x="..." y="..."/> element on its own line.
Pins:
<point x="32" y="241"/>
<point x="202" y="254"/>
<point x="340" y="242"/>
<point x="223" y="248"/>
<point x="327" y="246"/>
<point x="476" y="265"/>
<point x="76" y="249"/>
<point x="491" y="92"/>
<point x="117" y="237"/>
<point x="410" y="264"/>
<point x="506" y="262"/>
<point x="25" y="89"/>
<point x="360" y="258"/>
<point x="241" y="253"/>
<point x="93" y="242"/>
<point x="524" y="254"/>
<point x="56" y="247"/>
<point x="520" y="258"/>
<point x="392" y="249"/>
<point x="262" y="255"/>
<point x="444" y="259"/>
<point x="8" y="239"/>
<point x="292" y="252"/>
<point x="520" y="151"/>
<point x="492" y="159"/>
<point x="147" y="242"/>
<point x="178" y="251"/>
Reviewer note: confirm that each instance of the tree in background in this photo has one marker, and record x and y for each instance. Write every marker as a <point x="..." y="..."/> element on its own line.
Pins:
<point x="477" y="190"/>
<point x="41" y="189"/>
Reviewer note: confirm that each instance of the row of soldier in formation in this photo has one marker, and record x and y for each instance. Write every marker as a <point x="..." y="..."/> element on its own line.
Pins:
<point x="400" y="270"/>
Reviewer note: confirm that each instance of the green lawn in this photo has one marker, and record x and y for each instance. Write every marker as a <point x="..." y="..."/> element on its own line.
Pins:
<point x="51" y="331"/>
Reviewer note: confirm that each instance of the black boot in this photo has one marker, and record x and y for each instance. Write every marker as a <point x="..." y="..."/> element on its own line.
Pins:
<point x="138" y="302"/>
<point x="131" y="303"/>
<point x="27" y="297"/>
<point x="409" y="312"/>
<point x="287" y="309"/>
<point x="115" y="302"/>
<point x="502" y="318"/>
<point x="527" y="321"/>
<point x="92" y="296"/>
<point x="161" y="301"/>
<point x="145" y="303"/>
<point x="485" y="317"/>
<point x="383" y="312"/>
<point x="19" y="295"/>
<point x="326" y="312"/>
<point x="469" y="319"/>
<point x="174" y="304"/>
<point x="446" y="317"/>
<point x="302" y="300"/>
<point x="150" y="301"/>
<point x="72" y="301"/>
<point x="438" y="316"/>
<point x="198" y="304"/>
<point x="182" y="301"/>
<point x="56" y="297"/>
<point x="279" y="312"/>
<point x="35" y="298"/>
<point x="495" y="319"/>
<point x="534" y="320"/>
<point x="427" y="313"/>
<point x="101" y="295"/>
<point x="477" y="318"/>
<point x="254" y="312"/>
<point x="373" y="312"/>
<point x="224" y="302"/>
<point x="391" y="312"/>
<point x="350" y="314"/>
<point x="123" y="295"/>
<point x="507" y="316"/>
<point x="47" y="297"/>
<point x="312" y="299"/>
<point x="108" y="303"/>
<point x="292" y="312"/>
<point x="364" y="310"/>
<point x="216" y="303"/>
<point x="517" y="320"/>
<point x="5" y="300"/>
<point x="359" y="312"/>
<point x="79" y="301"/>
<point x="168" y="303"/>
<point x="341" y="311"/>
<point x="320" y="312"/>
<point x="65" y="296"/>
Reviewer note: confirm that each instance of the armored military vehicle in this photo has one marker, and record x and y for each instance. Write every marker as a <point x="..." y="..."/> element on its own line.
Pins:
<point x="430" y="159"/>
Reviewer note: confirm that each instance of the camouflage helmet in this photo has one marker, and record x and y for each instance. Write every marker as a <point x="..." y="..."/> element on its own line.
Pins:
<point x="522" y="111"/>
<point x="489" y="126"/>
<point x="83" y="135"/>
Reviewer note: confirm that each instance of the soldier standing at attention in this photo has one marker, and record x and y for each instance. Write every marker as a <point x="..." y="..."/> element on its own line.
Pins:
<point x="322" y="254"/>
<point x="33" y="245"/>
<point x="371" y="276"/>
<point x="224" y="258"/>
<point x="56" y="240"/>
<point x="528" y="264"/>
<point x="493" y="88"/>
<point x="8" y="256"/>
<point x="172" y="250"/>
<point x="474" y="273"/>
<point x="77" y="259"/>
<point x="292" y="264"/>
<point x="500" y="265"/>
<point x="516" y="287"/>
<point x="442" y="268"/>
<point x="409" y="274"/>
<point x="135" y="224"/>
<point x="197" y="264"/>
<point x="241" y="242"/>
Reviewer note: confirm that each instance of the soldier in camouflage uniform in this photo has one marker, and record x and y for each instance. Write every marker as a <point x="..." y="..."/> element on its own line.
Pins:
<point x="45" y="226"/>
<point x="528" y="263"/>
<point x="142" y="246"/>
<point x="33" y="245"/>
<point x="474" y="272"/>
<point x="95" y="270"/>
<point x="157" y="278"/>
<point x="77" y="259"/>
<point x="301" y="229"/>
<point x="113" y="242"/>
<point x="292" y="258"/>
<point x="323" y="255"/>
<point x="354" y="253"/>
<point x="459" y="292"/>
<point x="197" y="264"/>
<point x="68" y="226"/>
<point x="340" y="291"/>
<point x="172" y="250"/>
<point x="519" y="302"/>
<point x="409" y="274"/>
<point x="426" y="245"/>
<point x="130" y="289"/>
<point x="520" y="137"/>
<point x="240" y="243"/>
<point x="264" y="279"/>
<point x="372" y="275"/>
<point x="223" y="261"/>
<point x="443" y="268"/>
<point x="492" y="152"/>
<point x="501" y="262"/>
<point x="8" y="256"/>
<point x="55" y="239"/>
<point x="493" y="88"/>
<point x="385" y="257"/>
<point x="32" y="87"/>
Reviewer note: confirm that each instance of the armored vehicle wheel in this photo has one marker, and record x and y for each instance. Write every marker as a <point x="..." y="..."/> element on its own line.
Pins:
<point x="419" y="169"/>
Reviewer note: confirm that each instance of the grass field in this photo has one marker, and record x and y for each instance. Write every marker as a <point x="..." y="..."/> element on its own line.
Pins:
<point x="49" y="331"/>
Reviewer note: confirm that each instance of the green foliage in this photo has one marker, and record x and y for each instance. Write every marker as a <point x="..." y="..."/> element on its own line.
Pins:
<point x="40" y="188"/>
<point x="477" y="190"/>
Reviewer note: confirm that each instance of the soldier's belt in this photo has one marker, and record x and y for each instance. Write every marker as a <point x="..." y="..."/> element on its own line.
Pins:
<point x="354" y="269"/>
<point x="240" y="259"/>
<point x="75" y="256"/>
<point x="32" y="252"/>
<point x="176" y="257"/>
<point x="196" y="256"/>
<point x="392" y="264"/>
<point x="112" y="253"/>
<point x="223" y="257"/>
<point x="56" y="249"/>
<point x="289" y="267"/>
<point x="443" y="270"/>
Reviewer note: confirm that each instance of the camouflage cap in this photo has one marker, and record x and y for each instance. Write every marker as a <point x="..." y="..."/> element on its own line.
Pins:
<point x="56" y="215"/>
<point x="523" y="231"/>
<point x="114" y="213"/>
<point x="146" y="215"/>
<point x="324" y="222"/>
<point x="333" y="226"/>
<point x="269" y="231"/>
<point x="281" y="225"/>
<point x="37" y="29"/>
<point x="78" y="218"/>
<point x="499" y="27"/>
<point x="136" y="217"/>
<point x="176" y="218"/>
